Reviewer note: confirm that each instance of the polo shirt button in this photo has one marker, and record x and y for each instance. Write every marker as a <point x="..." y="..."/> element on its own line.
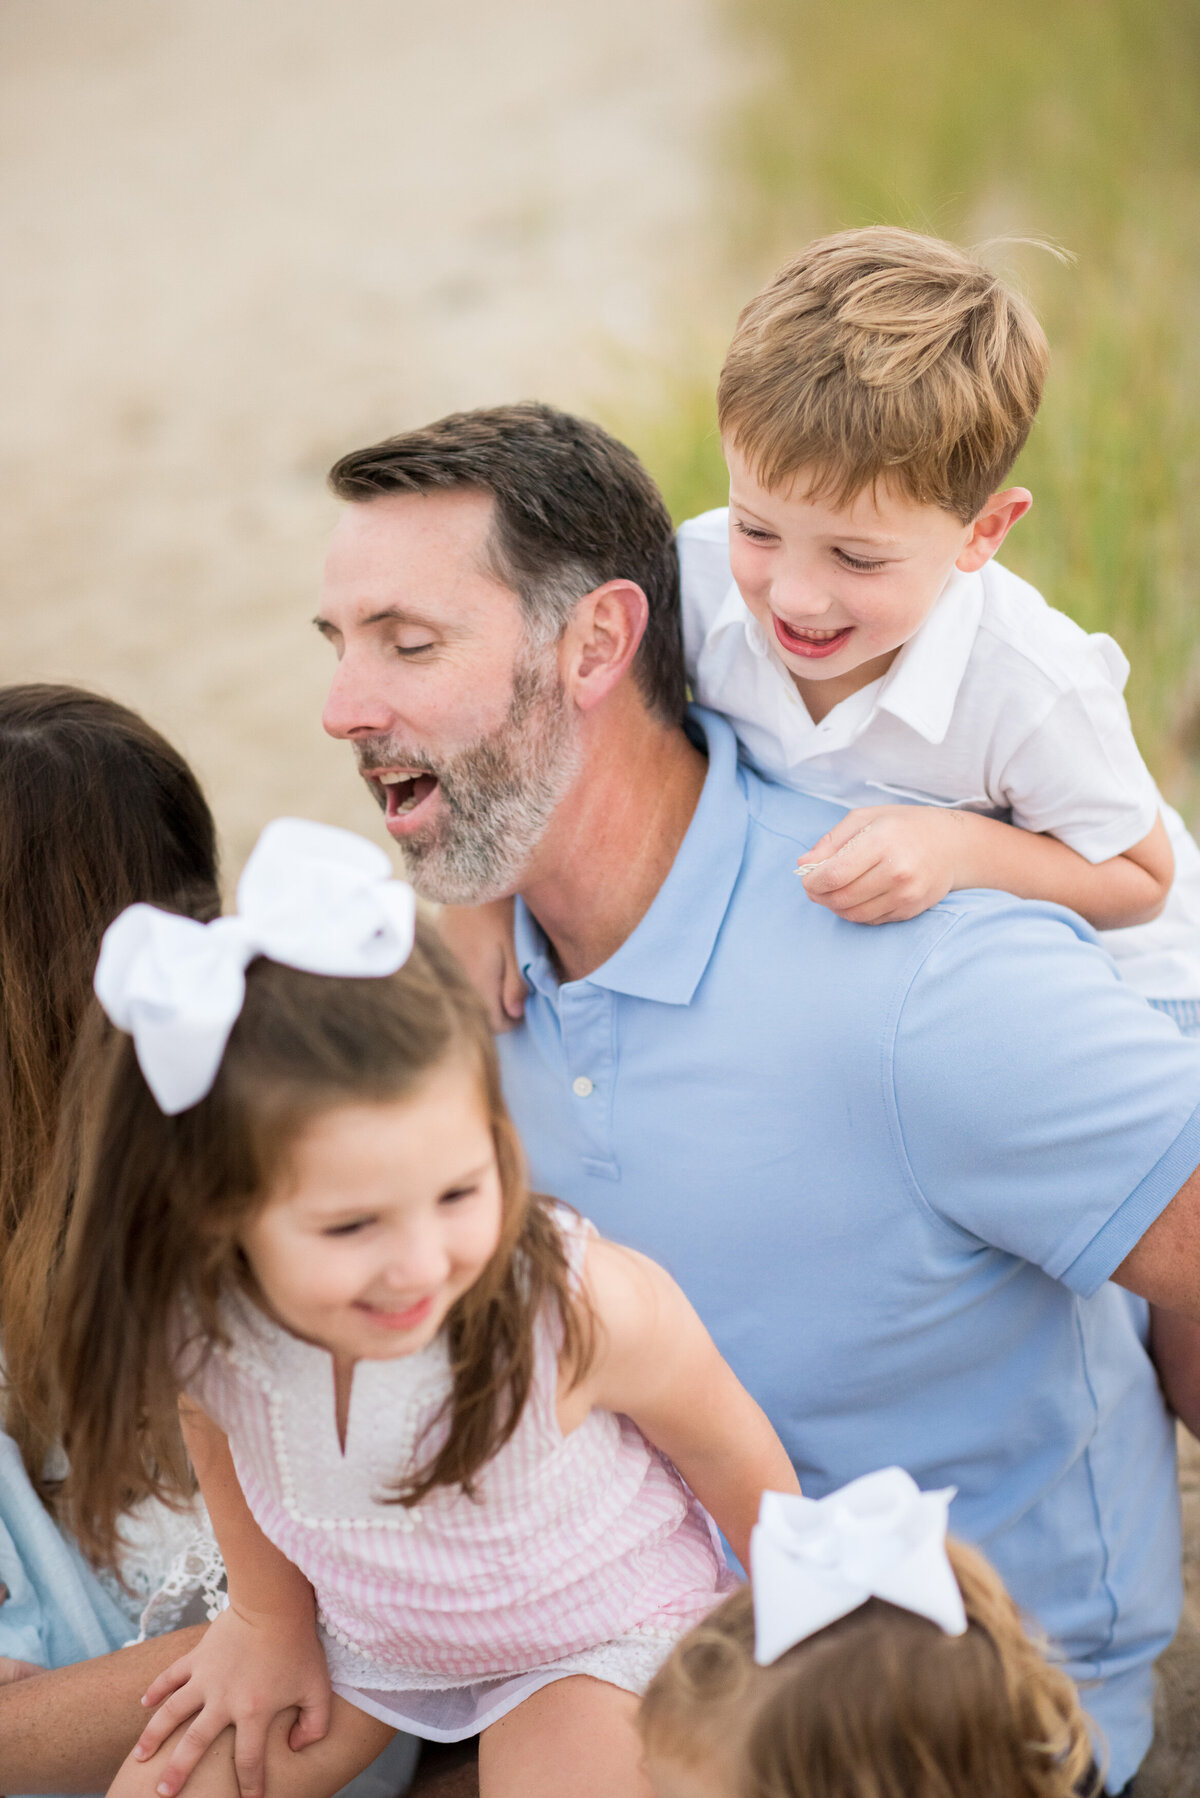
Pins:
<point x="582" y="1087"/>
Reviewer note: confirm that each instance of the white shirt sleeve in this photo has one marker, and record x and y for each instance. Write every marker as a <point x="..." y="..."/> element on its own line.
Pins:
<point x="704" y="578"/>
<point x="1078" y="774"/>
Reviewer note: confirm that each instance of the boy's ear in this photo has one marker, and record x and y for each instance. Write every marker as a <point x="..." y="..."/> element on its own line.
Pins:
<point x="992" y="526"/>
<point x="601" y="641"/>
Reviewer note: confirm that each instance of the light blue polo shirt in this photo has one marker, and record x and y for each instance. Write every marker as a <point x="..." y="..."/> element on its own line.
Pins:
<point x="893" y="1169"/>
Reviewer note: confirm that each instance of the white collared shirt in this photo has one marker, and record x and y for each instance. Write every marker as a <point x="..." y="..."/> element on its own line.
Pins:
<point x="999" y="704"/>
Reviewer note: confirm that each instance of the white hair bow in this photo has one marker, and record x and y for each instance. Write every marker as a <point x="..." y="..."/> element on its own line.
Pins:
<point x="815" y="1560"/>
<point x="310" y="896"/>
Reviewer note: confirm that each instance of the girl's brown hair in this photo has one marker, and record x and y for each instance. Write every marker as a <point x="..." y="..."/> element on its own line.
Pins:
<point x="96" y="811"/>
<point x="163" y="1202"/>
<point x="881" y="1704"/>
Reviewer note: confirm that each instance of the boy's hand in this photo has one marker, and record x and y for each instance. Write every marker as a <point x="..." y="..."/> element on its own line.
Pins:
<point x="481" y="936"/>
<point x="244" y="1671"/>
<point x="883" y="863"/>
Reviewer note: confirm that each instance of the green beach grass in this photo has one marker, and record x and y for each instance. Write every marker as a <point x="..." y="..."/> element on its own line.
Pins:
<point x="1075" y="122"/>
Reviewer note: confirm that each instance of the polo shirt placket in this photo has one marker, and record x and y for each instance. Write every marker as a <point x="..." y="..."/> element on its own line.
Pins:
<point x="588" y="1019"/>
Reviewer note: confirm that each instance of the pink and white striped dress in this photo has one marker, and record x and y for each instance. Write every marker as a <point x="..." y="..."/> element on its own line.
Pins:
<point x="580" y="1554"/>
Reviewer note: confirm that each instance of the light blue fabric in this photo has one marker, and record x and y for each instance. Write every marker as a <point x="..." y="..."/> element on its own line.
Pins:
<point x="56" y="1611"/>
<point x="894" y="1168"/>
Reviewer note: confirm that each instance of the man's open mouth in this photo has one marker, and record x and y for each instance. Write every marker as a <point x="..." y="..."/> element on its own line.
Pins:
<point x="404" y="792"/>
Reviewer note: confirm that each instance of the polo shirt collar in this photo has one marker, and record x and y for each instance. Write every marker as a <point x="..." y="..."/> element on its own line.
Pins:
<point x="921" y="686"/>
<point x="665" y="957"/>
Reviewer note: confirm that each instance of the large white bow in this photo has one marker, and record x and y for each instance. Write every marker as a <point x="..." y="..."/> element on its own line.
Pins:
<point x="311" y="896"/>
<point x="815" y="1560"/>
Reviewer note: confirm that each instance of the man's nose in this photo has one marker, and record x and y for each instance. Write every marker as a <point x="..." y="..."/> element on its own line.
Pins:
<point x="357" y="704"/>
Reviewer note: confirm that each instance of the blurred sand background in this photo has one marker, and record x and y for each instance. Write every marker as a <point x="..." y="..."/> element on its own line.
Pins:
<point x="242" y="236"/>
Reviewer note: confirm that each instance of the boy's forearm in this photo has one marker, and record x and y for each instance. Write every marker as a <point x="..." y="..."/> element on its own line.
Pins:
<point x="1127" y="889"/>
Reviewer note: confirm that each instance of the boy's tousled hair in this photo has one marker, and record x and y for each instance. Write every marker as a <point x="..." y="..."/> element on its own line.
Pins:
<point x="880" y="355"/>
<point x="573" y="508"/>
<point x="163" y="1202"/>
<point x="97" y="811"/>
<point x="880" y="1704"/>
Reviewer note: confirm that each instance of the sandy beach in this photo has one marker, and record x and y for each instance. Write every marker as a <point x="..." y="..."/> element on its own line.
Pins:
<point x="244" y="239"/>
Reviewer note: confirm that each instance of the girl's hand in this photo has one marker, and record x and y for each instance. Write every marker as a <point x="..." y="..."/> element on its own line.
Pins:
<point x="481" y="936"/>
<point x="884" y="863"/>
<point x="244" y="1671"/>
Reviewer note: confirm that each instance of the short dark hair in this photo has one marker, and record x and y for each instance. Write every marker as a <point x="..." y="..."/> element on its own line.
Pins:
<point x="574" y="508"/>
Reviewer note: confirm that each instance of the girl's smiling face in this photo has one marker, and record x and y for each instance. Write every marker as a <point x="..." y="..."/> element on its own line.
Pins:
<point x="383" y="1216"/>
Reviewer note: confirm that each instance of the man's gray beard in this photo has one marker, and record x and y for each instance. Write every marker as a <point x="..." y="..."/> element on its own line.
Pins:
<point x="497" y="795"/>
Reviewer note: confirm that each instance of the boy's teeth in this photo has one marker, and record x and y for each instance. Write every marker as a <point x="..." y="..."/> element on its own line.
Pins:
<point x="393" y="780"/>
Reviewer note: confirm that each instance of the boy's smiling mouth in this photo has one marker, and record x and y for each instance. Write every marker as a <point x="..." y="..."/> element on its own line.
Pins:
<point x="811" y="643"/>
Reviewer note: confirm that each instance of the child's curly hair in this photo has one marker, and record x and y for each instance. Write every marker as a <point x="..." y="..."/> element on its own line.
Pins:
<point x="880" y="1704"/>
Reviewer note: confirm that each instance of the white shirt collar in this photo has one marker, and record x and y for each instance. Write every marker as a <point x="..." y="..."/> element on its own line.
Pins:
<point x="921" y="686"/>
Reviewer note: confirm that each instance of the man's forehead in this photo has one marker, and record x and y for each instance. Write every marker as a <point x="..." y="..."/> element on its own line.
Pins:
<point x="439" y="521"/>
<point x="411" y="554"/>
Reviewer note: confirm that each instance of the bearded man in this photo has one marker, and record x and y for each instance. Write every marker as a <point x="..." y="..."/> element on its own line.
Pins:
<point x="893" y="1168"/>
<point x="474" y="767"/>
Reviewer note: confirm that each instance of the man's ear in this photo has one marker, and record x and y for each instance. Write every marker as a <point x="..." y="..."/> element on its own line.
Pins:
<point x="601" y="641"/>
<point x="992" y="526"/>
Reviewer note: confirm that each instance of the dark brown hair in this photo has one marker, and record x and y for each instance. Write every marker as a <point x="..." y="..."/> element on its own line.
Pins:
<point x="96" y="811"/>
<point x="573" y="508"/>
<point x="163" y="1202"/>
<point x="881" y="1704"/>
<point x="880" y="354"/>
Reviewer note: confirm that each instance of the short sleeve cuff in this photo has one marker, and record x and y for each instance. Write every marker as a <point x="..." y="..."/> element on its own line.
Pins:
<point x="1148" y="1200"/>
<point x="1100" y="844"/>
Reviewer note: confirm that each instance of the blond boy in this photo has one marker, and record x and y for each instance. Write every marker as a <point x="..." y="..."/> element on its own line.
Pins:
<point x="870" y="650"/>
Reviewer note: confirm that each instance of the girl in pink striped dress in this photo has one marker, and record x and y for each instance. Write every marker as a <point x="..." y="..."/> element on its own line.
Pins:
<point x="455" y="1446"/>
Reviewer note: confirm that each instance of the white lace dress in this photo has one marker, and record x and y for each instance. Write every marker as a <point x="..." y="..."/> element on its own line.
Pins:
<point x="171" y="1572"/>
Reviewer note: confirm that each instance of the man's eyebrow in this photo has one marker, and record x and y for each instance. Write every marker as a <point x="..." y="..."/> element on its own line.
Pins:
<point x="386" y="615"/>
